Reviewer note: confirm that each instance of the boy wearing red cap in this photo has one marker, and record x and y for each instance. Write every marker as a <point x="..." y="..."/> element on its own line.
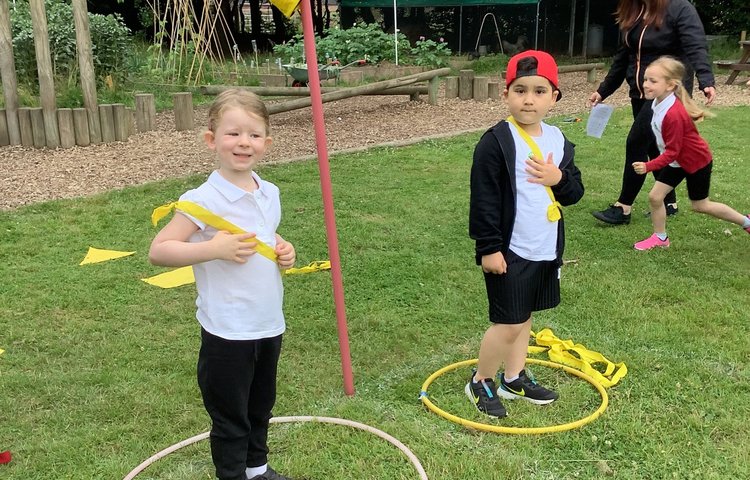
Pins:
<point x="522" y="172"/>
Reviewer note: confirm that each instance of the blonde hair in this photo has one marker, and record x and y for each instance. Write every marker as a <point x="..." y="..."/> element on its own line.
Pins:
<point x="244" y="99"/>
<point x="675" y="72"/>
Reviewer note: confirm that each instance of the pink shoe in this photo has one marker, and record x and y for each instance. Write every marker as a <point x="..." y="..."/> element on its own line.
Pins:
<point x="651" y="242"/>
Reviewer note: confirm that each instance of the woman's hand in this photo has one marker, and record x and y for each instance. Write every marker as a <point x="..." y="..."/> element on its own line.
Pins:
<point x="639" y="167"/>
<point x="710" y="93"/>
<point x="594" y="99"/>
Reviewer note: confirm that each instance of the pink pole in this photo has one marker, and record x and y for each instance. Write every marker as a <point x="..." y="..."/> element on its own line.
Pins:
<point x="325" y="185"/>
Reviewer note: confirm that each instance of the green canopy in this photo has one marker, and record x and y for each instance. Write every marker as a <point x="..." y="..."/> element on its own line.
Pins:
<point x="432" y="3"/>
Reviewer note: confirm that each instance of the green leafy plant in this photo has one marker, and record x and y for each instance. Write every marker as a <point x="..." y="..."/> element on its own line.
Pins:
<point x="430" y="53"/>
<point x="111" y="41"/>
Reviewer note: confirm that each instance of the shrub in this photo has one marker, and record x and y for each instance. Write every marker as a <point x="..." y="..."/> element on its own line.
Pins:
<point x="110" y="39"/>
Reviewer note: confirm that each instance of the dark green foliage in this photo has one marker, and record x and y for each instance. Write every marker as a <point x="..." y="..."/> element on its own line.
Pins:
<point x="111" y="42"/>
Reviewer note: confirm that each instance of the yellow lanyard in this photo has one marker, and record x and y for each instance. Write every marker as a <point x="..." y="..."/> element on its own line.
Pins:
<point x="553" y="210"/>
<point x="210" y="218"/>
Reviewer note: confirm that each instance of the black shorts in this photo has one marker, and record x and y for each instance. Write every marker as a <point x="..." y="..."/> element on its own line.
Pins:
<point x="697" y="183"/>
<point x="526" y="286"/>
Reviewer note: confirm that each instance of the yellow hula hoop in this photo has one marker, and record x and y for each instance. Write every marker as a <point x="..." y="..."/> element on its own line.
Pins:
<point x="516" y="430"/>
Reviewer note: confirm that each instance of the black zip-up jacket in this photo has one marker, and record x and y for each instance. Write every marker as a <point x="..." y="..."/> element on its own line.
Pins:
<point x="681" y="35"/>
<point x="492" y="209"/>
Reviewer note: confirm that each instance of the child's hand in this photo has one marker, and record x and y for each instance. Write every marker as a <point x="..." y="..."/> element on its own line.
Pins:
<point x="546" y="174"/>
<point x="286" y="256"/>
<point x="639" y="167"/>
<point x="233" y="247"/>
<point x="494" y="263"/>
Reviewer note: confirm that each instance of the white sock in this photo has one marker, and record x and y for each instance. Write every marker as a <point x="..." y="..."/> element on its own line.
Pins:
<point x="255" y="471"/>
<point x="509" y="379"/>
<point x="661" y="235"/>
<point x="747" y="223"/>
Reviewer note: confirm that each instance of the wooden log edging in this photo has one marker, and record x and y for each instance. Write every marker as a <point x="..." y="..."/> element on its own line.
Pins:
<point x="305" y="91"/>
<point x="589" y="68"/>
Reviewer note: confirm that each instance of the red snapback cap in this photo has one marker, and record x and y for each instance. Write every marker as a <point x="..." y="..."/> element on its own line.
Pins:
<point x="546" y="67"/>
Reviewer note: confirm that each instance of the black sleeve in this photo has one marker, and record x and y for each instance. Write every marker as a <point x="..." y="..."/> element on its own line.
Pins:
<point x="487" y="170"/>
<point x="616" y="74"/>
<point x="570" y="189"/>
<point x="693" y="40"/>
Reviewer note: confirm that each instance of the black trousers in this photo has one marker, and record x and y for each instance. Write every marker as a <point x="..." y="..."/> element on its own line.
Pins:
<point x="639" y="147"/>
<point x="237" y="379"/>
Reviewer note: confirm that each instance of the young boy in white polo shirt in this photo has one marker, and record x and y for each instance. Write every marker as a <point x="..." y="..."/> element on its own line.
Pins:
<point x="240" y="293"/>
<point x="523" y="170"/>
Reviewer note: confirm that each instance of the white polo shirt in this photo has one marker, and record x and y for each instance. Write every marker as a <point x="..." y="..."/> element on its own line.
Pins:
<point x="534" y="236"/>
<point x="239" y="301"/>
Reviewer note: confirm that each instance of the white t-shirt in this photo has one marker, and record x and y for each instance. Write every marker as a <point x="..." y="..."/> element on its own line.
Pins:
<point x="660" y="110"/>
<point x="239" y="301"/>
<point x="534" y="236"/>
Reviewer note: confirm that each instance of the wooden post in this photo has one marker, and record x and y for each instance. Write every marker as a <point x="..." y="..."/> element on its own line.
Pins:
<point x="493" y="90"/>
<point x="481" y="86"/>
<point x="81" y="126"/>
<point x="591" y="76"/>
<point x="466" y="84"/>
<point x="107" y="121"/>
<point x="24" y="126"/>
<point x="44" y="68"/>
<point x="183" y="111"/>
<point x="432" y="90"/>
<point x="86" y="66"/>
<point x="121" y="126"/>
<point x="4" y="138"/>
<point x="37" y="127"/>
<point x="67" y="130"/>
<point x="145" y="112"/>
<point x="131" y="120"/>
<point x="451" y="87"/>
<point x="8" y="72"/>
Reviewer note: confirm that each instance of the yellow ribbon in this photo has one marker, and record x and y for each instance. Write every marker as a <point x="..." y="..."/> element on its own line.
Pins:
<point x="210" y="218"/>
<point x="185" y="275"/>
<point x="579" y="357"/>
<point x="553" y="210"/>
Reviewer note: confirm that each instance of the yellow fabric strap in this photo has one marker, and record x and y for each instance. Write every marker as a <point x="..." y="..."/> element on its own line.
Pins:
<point x="287" y="7"/>
<point x="210" y="218"/>
<point x="580" y="358"/>
<point x="185" y="275"/>
<point x="553" y="210"/>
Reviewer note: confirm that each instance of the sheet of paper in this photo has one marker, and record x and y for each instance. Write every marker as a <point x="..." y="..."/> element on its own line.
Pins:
<point x="598" y="119"/>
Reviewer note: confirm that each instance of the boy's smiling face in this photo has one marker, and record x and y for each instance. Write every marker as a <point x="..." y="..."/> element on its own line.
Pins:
<point x="530" y="98"/>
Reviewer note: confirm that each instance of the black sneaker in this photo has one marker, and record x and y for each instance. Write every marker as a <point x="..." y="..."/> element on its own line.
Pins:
<point x="671" y="210"/>
<point x="613" y="215"/>
<point x="526" y="388"/>
<point x="483" y="395"/>
<point x="270" y="474"/>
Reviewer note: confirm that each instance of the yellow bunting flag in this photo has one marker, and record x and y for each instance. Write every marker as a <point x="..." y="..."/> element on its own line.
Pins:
<point x="173" y="278"/>
<point x="96" y="255"/>
<point x="210" y="218"/>
<point x="1" y="351"/>
<point x="287" y="7"/>
<point x="183" y="276"/>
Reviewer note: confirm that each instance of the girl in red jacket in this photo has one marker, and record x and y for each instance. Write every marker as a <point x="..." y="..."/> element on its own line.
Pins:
<point x="683" y="153"/>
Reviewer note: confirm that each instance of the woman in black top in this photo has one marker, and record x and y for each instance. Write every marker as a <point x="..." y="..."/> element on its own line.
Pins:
<point x="650" y="29"/>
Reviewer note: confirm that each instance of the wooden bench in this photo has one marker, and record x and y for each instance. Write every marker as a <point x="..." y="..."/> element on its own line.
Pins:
<point x="742" y="65"/>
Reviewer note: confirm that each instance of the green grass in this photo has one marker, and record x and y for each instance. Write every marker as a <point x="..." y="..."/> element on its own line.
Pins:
<point x="99" y="368"/>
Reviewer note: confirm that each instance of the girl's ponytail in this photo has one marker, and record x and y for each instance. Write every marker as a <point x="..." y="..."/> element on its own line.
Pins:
<point x="675" y="71"/>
